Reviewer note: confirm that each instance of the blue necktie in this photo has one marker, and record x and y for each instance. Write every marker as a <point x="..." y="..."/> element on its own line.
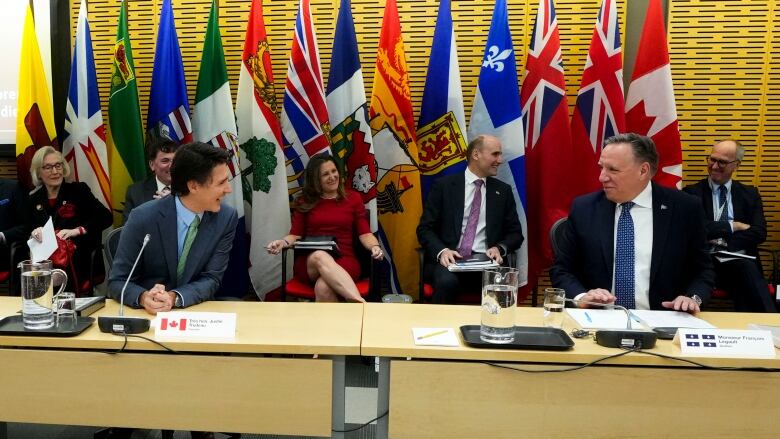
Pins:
<point x="724" y="210"/>
<point x="624" y="258"/>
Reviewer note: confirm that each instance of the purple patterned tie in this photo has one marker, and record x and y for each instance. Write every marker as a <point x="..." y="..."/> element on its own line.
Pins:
<point x="471" y="226"/>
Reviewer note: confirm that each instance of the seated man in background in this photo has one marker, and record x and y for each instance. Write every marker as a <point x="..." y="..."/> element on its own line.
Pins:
<point x="734" y="221"/>
<point x="12" y="228"/>
<point x="468" y="213"/>
<point x="160" y="153"/>
<point x="191" y="235"/>
<point x="635" y="244"/>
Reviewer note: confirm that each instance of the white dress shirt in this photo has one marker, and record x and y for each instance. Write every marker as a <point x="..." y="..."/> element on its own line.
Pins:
<point x="715" y="188"/>
<point x="642" y="216"/>
<point x="479" y="245"/>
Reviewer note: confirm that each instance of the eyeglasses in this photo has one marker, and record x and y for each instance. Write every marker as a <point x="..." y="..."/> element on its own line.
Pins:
<point x="720" y="163"/>
<point x="48" y="168"/>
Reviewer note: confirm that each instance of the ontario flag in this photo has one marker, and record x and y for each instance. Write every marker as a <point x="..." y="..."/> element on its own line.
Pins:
<point x="169" y="108"/>
<point x="350" y="132"/>
<point x="85" y="146"/>
<point x="650" y="106"/>
<point x="441" y="137"/>
<point x="395" y="142"/>
<point x="262" y="158"/>
<point x="305" y="122"/>
<point x="497" y="112"/>
<point x="35" y="117"/>
<point x="214" y="123"/>
<point x="549" y="175"/>
<point x="599" y="111"/>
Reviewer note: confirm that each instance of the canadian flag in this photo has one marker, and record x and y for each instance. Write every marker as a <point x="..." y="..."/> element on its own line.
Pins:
<point x="173" y="324"/>
<point x="650" y="106"/>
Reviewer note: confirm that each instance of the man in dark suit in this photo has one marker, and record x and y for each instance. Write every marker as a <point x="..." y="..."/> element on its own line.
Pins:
<point x="734" y="221"/>
<point x="12" y="228"/>
<point x="465" y="214"/>
<point x="191" y="235"/>
<point x="160" y="155"/>
<point x="636" y="244"/>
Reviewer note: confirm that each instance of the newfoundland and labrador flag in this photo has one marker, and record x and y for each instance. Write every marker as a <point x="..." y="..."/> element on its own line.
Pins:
<point x="169" y="108"/>
<point x="214" y="122"/>
<point x="497" y="112"/>
<point x="348" y="111"/>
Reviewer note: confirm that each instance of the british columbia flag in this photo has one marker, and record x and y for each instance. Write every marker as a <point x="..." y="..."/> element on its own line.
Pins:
<point x="549" y="174"/>
<point x="599" y="112"/>
<point x="305" y="122"/>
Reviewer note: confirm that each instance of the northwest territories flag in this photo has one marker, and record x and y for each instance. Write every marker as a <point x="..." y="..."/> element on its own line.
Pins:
<point x="214" y="122"/>
<point x="497" y="112"/>
<point x="348" y="113"/>
<point x="441" y="139"/>
<point x="169" y="109"/>
<point x="304" y="115"/>
<point x="85" y="146"/>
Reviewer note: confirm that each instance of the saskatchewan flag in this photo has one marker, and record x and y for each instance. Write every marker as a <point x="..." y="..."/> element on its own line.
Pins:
<point x="214" y="122"/>
<point x="126" y="143"/>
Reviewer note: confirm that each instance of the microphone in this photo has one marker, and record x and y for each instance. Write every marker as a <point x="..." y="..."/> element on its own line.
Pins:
<point x="621" y="338"/>
<point x="126" y="325"/>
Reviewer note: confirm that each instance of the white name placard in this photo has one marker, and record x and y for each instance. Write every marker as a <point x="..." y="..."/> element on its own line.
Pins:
<point x="179" y="324"/>
<point x="726" y="343"/>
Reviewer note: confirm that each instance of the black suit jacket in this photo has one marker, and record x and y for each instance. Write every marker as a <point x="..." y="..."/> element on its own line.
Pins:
<point x="139" y="193"/>
<point x="12" y="202"/>
<point x="442" y="217"/>
<point x="680" y="264"/>
<point x="748" y="209"/>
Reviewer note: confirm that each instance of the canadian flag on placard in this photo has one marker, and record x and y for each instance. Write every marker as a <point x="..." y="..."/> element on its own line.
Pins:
<point x="173" y="324"/>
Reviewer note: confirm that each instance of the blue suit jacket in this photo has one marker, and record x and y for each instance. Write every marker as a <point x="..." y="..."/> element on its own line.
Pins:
<point x="206" y="262"/>
<point x="679" y="265"/>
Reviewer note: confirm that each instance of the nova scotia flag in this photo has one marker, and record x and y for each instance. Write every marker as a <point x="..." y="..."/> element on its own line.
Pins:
<point x="497" y="112"/>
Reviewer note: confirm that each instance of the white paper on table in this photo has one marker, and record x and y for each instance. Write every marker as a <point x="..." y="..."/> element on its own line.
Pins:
<point x="40" y="251"/>
<point x="600" y="318"/>
<point x="670" y="319"/>
<point x="435" y="337"/>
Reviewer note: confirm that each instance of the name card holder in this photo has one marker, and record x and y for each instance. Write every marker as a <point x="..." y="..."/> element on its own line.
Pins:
<point x="725" y="343"/>
<point x="186" y="325"/>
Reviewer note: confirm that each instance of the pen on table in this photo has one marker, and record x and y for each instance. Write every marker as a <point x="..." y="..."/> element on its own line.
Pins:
<point x="432" y="334"/>
<point x="587" y="316"/>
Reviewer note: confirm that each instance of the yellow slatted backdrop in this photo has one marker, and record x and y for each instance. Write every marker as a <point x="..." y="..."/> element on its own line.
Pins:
<point x="725" y="59"/>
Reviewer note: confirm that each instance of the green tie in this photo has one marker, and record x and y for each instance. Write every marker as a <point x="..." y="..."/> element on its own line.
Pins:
<point x="192" y="231"/>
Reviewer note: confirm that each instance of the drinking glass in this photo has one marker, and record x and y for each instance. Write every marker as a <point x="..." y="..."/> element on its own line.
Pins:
<point x="554" y="303"/>
<point x="499" y="300"/>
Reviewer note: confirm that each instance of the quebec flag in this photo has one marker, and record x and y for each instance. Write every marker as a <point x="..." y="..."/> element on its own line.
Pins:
<point x="496" y="112"/>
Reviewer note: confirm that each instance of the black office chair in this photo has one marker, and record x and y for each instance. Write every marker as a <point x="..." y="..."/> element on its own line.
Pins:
<point x="110" y="244"/>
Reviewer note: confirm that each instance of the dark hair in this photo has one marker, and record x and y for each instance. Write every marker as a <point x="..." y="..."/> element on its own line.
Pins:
<point x="474" y="144"/>
<point x="195" y="161"/>
<point x="312" y="188"/>
<point x="158" y="145"/>
<point x="642" y="146"/>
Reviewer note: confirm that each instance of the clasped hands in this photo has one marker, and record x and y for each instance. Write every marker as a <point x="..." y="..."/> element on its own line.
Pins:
<point x="157" y="299"/>
<point x="600" y="295"/>
<point x="449" y="257"/>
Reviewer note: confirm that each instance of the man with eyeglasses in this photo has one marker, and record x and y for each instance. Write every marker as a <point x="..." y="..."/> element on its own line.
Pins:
<point x="734" y="222"/>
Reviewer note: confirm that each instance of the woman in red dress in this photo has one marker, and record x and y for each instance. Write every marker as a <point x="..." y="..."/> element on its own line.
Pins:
<point x="325" y="208"/>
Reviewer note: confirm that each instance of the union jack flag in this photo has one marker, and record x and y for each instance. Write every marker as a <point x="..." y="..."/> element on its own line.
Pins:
<point x="599" y="112"/>
<point x="305" y="114"/>
<point x="549" y="175"/>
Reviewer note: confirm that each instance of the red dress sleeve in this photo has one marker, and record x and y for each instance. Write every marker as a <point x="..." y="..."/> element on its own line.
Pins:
<point x="298" y="227"/>
<point x="360" y="214"/>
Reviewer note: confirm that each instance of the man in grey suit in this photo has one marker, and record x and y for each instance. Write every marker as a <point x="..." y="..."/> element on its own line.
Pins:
<point x="160" y="155"/>
<point x="191" y="235"/>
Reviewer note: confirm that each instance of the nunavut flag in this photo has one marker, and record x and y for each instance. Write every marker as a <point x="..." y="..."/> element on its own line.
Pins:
<point x="35" y="118"/>
<point x="395" y="144"/>
<point x="650" y="106"/>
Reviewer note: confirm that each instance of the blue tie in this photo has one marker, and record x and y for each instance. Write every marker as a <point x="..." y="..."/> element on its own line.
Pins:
<point x="724" y="210"/>
<point x="624" y="258"/>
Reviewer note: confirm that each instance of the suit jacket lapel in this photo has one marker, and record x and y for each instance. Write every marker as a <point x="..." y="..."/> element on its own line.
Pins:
<point x="606" y="215"/>
<point x="150" y="188"/>
<point x="738" y="199"/>
<point x="707" y="200"/>
<point x="168" y="229"/>
<point x="662" y="218"/>
<point x="459" y="191"/>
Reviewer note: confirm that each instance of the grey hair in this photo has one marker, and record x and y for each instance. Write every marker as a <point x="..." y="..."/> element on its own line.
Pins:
<point x="642" y="146"/>
<point x="740" y="147"/>
<point x="37" y="163"/>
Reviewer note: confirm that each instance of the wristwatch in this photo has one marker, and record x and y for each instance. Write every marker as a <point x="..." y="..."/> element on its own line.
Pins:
<point x="696" y="299"/>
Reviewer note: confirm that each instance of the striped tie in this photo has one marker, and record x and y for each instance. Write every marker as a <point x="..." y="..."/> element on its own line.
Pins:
<point x="192" y="232"/>
<point x="722" y="203"/>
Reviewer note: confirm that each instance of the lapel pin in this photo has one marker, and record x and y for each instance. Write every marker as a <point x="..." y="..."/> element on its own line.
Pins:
<point x="663" y="207"/>
<point x="38" y="207"/>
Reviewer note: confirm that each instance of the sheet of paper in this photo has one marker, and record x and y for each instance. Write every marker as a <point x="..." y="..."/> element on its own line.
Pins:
<point x="435" y="337"/>
<point x="600" y="318"/>
<point x="670" y="319"/>
<point x="42" y="250"/>
<point x="774" y="330"/>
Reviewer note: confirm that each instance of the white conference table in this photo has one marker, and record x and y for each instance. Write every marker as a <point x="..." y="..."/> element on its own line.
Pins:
<point x="435" y="392"/>
<point x="282" y="374"/>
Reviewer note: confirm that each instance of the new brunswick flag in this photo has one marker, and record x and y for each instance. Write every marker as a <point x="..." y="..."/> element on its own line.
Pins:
<point x="35" y="119"/>
<point x="126" y="150"/>
<point x="395" y="144"/>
